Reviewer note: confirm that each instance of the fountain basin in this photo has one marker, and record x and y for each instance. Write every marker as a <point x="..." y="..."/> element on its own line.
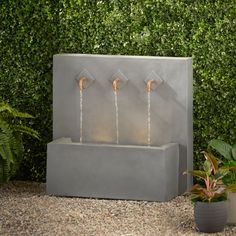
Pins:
<point x="112" y="171"/>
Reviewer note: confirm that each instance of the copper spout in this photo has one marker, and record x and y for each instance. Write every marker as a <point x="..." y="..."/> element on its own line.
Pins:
<point x="115" y="84"/>
<point x="81" y="83"/>
<point x="149" y="84"/>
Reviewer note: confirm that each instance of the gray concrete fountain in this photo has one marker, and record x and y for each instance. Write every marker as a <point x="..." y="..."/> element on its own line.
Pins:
<point x="122" y="127"/>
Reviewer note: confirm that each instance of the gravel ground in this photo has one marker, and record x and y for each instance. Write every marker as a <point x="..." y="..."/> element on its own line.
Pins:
<point x="25" y="209"/>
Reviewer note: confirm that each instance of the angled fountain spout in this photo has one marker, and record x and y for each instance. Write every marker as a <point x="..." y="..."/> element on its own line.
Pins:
<point x="150" y="85"/>
<point x="84" y="79"/>
<point x="81" y="82"/>
<point x="118" y="80"/>
<point x="153" y="81"/>
<point x="115" y="84"/>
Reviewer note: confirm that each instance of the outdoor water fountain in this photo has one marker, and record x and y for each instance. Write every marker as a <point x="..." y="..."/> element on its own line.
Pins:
<point x="118" y="81"/>
<point x="122" y="127"/>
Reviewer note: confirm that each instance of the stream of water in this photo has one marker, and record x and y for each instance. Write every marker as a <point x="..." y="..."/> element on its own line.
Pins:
<point x="81" y="116"/>
<point x="117" y="117"/>
<point x="149" y="119"/>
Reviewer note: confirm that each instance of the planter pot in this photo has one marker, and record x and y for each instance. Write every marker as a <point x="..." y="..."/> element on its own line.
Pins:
<point x="231" y="209"/>
<point x="211" y="217"/>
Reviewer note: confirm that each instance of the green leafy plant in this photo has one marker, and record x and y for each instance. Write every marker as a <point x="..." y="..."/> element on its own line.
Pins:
<point x="228" y="154"/>
<point x="226" y="150"/>
<point x="11" y="143"/>
<point x="212" y="189"/>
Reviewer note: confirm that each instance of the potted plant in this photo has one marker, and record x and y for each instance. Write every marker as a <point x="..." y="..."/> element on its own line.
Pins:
<point x="210" y="195"/>
<point x="228" y="154"/>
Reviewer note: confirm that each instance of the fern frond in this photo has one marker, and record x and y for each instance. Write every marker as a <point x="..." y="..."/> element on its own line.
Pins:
<point x="4" y="171"/>
<point x="4" y="126"/>
<point x="6" y="141"/>
<point x="3" y="153"/>
<point x="6" y="152"/>
<point x="1" y="171"/>
<point x="11" y="144"/>
<point x="25" y="130"/>
<point x="3" y="138"/>
<point x="4" y="107"/>
<point x="17" y="146"/>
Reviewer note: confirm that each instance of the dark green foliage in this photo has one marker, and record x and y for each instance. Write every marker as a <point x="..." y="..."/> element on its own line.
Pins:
<point x="226" y="153"/>
<point x="11" y="143"/>
<point x="27" y="43"/>
<point x="226" y="150"/>
<point x="31" y="32"/>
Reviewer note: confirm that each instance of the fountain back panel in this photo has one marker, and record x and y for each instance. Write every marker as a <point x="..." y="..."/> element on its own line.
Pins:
<point x="101" y="168"/>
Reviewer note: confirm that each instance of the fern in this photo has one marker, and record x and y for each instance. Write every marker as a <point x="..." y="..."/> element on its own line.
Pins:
<point x="4" y="107"/>
<point x="1" y="170"/>
<point x="25" y="130"/>
<point x="4" y="170"/>
<point x="11" y="143"/>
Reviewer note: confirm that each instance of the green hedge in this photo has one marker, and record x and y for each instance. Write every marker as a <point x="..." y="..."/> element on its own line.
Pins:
<point x="28" y="31"/>
<point x="32" y="32"/>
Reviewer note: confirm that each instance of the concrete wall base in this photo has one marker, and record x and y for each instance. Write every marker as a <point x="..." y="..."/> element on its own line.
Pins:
<point x="112" y="171"/>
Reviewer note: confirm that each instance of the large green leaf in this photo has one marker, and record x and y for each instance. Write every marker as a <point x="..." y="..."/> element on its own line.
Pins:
<point x="222" y="147"/>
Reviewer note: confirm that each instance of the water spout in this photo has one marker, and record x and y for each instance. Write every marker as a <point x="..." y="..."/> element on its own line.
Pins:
<point x="83" y="80"/>
<point x="81" y="83"/>
<point x="152" y="82"/>
<point x="115" y="87"/>
<point x="118" y="81"/>
<point x="150" y="85"/>
<point x="115" y="84"/>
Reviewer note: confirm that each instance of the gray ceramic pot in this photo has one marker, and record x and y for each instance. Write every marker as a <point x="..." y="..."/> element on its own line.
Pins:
<point x="210" y="217"/>
<point x="232" y="209"/>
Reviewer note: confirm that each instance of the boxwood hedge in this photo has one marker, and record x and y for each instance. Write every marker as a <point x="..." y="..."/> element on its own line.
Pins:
<point x="31" y="32"/>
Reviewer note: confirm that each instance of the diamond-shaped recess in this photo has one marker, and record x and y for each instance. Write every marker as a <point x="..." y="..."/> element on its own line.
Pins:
<point x="89" y="79"/>
<point x="156" y="78"/>
<point x="121" y="77"/>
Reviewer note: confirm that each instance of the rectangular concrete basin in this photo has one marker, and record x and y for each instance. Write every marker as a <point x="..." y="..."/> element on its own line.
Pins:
<point x="112" y="171"/>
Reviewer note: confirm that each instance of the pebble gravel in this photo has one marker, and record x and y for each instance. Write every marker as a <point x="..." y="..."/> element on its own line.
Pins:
<point x="26" y="209"/>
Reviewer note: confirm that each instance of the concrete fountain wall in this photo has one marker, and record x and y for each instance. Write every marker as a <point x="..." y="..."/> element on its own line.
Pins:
<point x="131" y="170"/>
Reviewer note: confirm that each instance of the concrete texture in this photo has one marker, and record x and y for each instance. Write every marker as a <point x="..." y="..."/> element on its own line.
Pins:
<point x="171" y="119"/>
<point x="112" y="171"/>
